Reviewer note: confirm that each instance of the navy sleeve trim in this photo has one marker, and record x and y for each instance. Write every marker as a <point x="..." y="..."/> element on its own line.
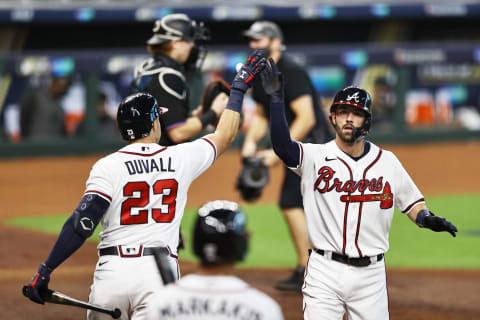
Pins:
<point x="411" y="205"/>
<point x="214" y="148"/>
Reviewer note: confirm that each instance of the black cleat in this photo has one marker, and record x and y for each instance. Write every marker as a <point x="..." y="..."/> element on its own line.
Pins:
<point x="294" y="283"/>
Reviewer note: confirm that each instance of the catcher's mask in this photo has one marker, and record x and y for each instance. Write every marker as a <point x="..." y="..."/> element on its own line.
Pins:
<point x="179" y="26"/>
<point x="136" y="114"/>
<point x="219" y="235"/>
<point x="357" y="97"/>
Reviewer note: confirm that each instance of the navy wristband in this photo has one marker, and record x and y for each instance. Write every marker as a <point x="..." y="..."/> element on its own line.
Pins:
<point x="207" y="118"/>
<point x="276" y="99"/>
<point x="235" y="100"/>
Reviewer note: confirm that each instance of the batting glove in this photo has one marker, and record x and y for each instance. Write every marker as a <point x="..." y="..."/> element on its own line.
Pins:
<point x="39" y="284"/>
<point x="273" y="82"/>
<point x="255" y="63"/>
<point x="426" y="219"/>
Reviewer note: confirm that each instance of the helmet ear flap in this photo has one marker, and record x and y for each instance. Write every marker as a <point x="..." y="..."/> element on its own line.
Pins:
<point x="366" y="124"/>
<point x="362" y="132"/>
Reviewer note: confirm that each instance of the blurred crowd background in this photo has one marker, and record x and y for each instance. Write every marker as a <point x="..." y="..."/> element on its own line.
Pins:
<point x="65" y="65"/>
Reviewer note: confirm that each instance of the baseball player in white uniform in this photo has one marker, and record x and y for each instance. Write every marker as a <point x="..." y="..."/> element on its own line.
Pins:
<point x="139" y="194"/>
<point x="350" y="188"/>
<point x="212" y="293"/>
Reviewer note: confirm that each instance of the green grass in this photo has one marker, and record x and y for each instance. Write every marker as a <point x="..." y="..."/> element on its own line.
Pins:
<point x="270" y="242"/>
<point x="414" y="247"/>
<point x="410" y="246"/>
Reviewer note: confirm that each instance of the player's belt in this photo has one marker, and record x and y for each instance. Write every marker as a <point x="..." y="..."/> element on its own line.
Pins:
<point x="357" y="262"/>
<point x="133" y="251"/>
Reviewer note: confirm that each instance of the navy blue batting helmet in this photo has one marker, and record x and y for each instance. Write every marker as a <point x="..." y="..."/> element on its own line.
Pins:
<point x="220" y="235"/>
<point x="357" y="97"/>
<point x="353" y="96"/>
<point x="136" y="114"/>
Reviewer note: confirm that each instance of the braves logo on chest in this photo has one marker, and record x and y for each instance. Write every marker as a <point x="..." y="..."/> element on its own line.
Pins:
<point x="377" y="190"/>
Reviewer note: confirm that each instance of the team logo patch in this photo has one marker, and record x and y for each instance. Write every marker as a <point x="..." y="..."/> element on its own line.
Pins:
<point x="130" y="251"/>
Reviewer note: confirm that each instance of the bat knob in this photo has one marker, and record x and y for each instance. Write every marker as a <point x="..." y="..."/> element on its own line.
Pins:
<point x="116" y="313"/>
<point x="25" y="291"/>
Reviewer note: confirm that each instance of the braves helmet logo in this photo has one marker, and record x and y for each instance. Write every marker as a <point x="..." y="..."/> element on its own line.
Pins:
<point x="354" y="97"/>
<point x="134" y="112"/>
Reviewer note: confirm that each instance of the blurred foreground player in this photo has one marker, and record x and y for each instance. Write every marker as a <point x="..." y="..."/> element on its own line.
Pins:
<point x="219" y="241"/>
<point x="139" y="195"/>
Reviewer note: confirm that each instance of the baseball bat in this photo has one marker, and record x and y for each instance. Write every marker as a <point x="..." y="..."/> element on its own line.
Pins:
<point x="163" y="266"/>
<point x="59" y="298"/>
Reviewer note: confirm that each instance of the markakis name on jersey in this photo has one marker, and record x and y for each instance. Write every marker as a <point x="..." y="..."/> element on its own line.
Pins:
<point x="324" y="184"/>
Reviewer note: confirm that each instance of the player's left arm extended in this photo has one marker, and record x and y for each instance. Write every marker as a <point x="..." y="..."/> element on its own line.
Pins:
<point x="78" y="227"/>
<point x="285" y="148"/>
<point x="426" y="219"/>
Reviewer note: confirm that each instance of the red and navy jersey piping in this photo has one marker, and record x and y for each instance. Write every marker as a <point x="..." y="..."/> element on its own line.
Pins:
<point x="345" y="215"/>
<point x="412" y="204"/>
<point x="361" y="203"/>
<point x="144" y="154"/>
<point x="99" y="193"/>
<point x="301" y="154"/>
<point x="213" y="146"/>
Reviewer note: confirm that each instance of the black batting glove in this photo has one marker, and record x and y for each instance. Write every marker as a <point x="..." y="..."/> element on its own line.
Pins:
<point x="254" y="64"/>
<point x="39" y="284"/>
<point x="426" y="219"/>
<point x="272" y="81"/>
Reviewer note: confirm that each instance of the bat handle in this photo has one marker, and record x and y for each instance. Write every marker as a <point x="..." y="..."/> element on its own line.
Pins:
<point x="116" y="313"/>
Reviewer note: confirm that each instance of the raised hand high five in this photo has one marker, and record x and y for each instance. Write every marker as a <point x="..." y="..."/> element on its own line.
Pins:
<point x="255" y="63"/>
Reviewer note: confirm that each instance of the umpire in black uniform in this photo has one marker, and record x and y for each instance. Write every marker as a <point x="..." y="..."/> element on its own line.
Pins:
<point x="307" y="123"/>
<point x="176" y="48"/>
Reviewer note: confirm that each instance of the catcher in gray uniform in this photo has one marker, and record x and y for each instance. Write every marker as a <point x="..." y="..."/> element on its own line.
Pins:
<point x="219" y="240"/>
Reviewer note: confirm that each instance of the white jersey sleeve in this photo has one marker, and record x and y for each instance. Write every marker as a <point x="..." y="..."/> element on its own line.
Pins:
<point x="407" y="193"/>
<point x="99" y="181"/>
<point x="202" y="154"/>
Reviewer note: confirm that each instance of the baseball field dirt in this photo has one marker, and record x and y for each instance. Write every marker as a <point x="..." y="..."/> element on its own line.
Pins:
<point x="45" y="186"/>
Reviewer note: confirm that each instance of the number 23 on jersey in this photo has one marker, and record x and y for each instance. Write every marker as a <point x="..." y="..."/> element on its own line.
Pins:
<point x="167" y="189"/>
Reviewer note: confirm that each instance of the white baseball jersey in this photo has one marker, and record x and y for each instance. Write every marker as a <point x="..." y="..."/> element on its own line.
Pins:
<point x="146" y="185"/>
<point x="349" y="204"/>
<point x="198" y="297"/>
